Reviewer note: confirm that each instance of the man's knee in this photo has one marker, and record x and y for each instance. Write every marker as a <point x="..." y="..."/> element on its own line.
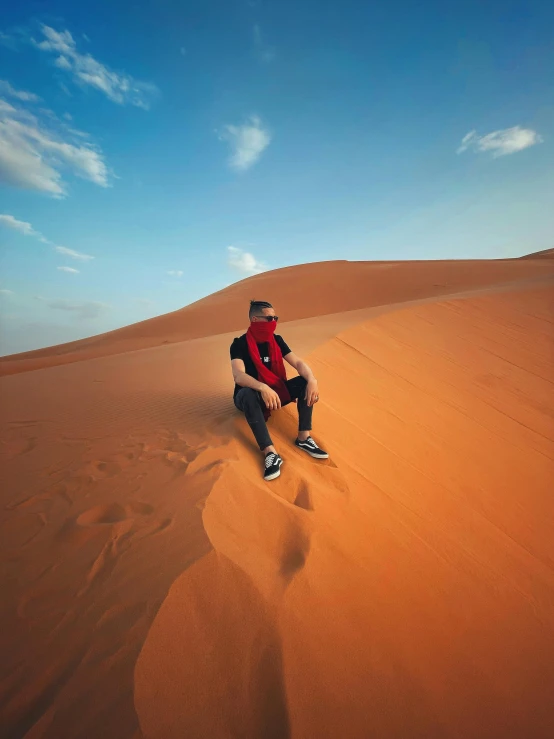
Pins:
<point x="297" y="388"/>
<point x="247" y="397"/>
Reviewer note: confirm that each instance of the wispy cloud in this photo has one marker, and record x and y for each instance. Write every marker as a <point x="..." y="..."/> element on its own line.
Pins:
<point x="247" y="142"/>
<point x="33" y="152"/>
<point x="27" y="229"/>
<point x="244" y="261"/>
<point x="264" y="52"/>
<point x="22" y="226"/>
<point x="502" y="142"/>
<point x="84" y="69"/>
<point x="71" y="270"/>
<point x="73" y="254"/>
<point x="183" y="51"/>
<point x="9" y="40"/>
<point x="175" y="272"/>
<point x="85" y="310"/>
<point x="4" y="291"/>
<point x="26" y="97"/>
<point x="62" y="62"/>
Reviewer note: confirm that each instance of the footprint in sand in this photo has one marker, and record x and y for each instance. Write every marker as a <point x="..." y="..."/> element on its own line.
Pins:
<point x="295" y="554"/>
<point x="102" y="514"/>
<point x="303" y="497"/>
<point x="89" y="471"/>
<point x="160" y="526"/>
<point x="16" y="447"/>
<point x="141" y="509"/>
<point x="296" y="537"/>
<point x="100" y="469"/>
<point x="111" y="513"/>
<point x="123" y="524"/>
<point x="172" y="448"/>
<point x="44" y="500"/>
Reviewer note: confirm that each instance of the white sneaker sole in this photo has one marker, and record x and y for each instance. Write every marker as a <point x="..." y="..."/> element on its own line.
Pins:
<point x="316" y="455"/>
<point x="274" y="475"/>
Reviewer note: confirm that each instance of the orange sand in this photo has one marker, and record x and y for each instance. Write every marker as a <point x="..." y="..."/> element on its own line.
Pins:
<point x="154" y="586"/>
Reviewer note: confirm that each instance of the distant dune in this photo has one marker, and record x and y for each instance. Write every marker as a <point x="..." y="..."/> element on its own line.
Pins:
<point x="546" y="254"/>
<point x="154" y="586"/>
<point x="304" y="291"/>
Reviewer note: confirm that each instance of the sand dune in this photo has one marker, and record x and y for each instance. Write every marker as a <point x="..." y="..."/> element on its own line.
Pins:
<point x="304" y="291"/>
<point x="545" y="254"/>
<point x="155" y="586"/>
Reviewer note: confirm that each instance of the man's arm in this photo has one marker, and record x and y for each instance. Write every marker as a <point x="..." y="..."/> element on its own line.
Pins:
<point x="269" y="396"/>
<point x="300" y="366"/>
<point x="312" y="391"/>
<point x="242" y="378"/>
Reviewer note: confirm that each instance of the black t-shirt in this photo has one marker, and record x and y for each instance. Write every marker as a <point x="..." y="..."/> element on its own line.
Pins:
<point x="239" y="350"/>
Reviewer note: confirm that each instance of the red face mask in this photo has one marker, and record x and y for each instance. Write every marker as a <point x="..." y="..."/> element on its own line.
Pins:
<point x="262" y="330"/>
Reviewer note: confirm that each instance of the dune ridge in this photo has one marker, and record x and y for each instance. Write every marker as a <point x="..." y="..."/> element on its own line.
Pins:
<point x="156" y="587"/>
<point x="303" y="291"/>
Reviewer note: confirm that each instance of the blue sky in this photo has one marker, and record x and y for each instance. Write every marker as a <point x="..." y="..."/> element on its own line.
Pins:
<point x="152" y="153"/>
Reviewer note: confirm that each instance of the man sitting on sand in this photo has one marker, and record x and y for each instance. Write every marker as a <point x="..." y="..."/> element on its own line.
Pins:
<point x="261" y="384"/>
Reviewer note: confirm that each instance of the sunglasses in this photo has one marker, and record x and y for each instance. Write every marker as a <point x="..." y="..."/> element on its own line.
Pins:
<point x="268" y="318"/>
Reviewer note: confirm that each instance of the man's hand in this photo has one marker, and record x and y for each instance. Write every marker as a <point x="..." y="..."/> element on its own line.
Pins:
<point x="271" y="399"/>
<point x="312" y="392"/>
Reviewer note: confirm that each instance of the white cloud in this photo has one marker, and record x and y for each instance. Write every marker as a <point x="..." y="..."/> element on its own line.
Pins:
<point x="7" y="40"/>
<point x="62" y="62"/>
<point x="26" y="97"/>
<point x="183" y="51"/>
<point x="73" y="254"/>
<point x="247" y="142"/>
<point x="3" y="291"/>
<point x="71" y="270"/>
<point x="27" y="230"/>
<point x="119" y="87"/>
<point x="85" y="310"/>
<point x="175" y="272"/>
<point x="33" y="153"/>
<point x="264" y="52"/>
<point x="505" y="141"/>
<point x="244" y="261"/>
<point x="22" y="226"/>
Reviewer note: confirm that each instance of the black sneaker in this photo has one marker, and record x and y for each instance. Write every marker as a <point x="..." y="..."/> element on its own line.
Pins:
<point x="273" y="464"/>
<point x="309" y="445"/>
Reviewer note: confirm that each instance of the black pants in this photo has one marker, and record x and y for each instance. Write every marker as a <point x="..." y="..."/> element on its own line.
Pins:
<point x="250" y="402"/>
